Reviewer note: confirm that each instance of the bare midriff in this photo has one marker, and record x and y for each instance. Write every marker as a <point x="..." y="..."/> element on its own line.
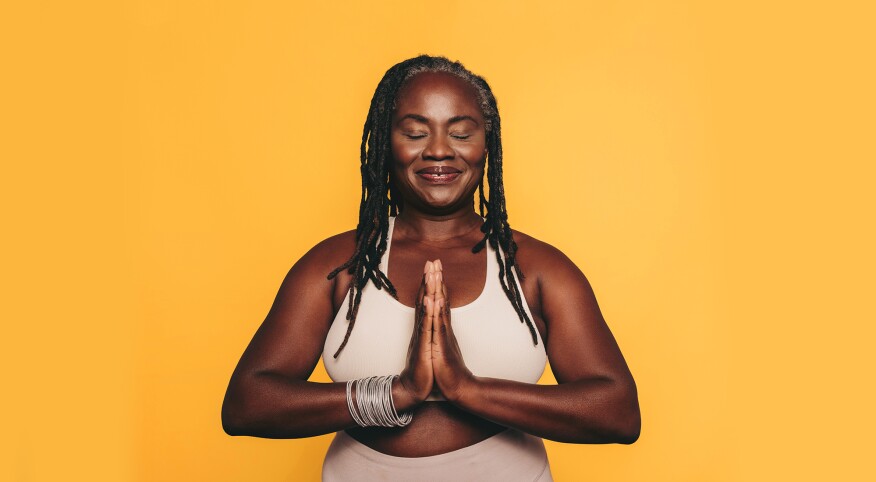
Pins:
<point x="437" y="428"/>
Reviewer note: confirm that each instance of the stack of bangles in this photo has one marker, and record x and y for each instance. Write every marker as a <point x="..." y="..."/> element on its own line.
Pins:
<point x="374" y="406"/>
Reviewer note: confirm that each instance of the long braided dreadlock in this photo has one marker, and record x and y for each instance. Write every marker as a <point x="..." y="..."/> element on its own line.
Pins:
<point x="379" y="201"/>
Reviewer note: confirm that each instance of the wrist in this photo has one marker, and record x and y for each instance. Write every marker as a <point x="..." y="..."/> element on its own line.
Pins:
<point x="466" y="390"/>
<point x="403" y="398"/>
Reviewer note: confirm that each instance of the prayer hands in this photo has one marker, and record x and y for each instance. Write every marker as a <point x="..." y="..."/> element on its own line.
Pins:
<point x="417" y="378"/>
<point x="448" y="367"/>
<point x="434" y="357"/>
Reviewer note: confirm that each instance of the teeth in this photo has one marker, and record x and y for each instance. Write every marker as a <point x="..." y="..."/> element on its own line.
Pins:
<point x="439" y="177"/>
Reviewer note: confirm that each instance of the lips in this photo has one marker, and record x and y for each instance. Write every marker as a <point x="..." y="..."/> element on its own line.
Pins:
<point x="439" y="170"/>
<point x="439" y="174"/>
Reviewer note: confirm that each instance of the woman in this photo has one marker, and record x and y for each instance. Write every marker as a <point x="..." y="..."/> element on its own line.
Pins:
<point x="432" y="292"/>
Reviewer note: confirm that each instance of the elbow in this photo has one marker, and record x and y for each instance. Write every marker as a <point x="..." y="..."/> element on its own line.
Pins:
<point x="621" y="427"/>
<point x="231" y="427"/>
<point x="238" y="417"/>
<point x="628" y="420"/>
<point x="619" y="418"/>
<point x="233" y="422"/>
<point x="630" y="429"/>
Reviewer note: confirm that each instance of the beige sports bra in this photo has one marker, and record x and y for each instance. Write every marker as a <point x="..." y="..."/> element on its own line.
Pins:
<point x="493" y="341"/>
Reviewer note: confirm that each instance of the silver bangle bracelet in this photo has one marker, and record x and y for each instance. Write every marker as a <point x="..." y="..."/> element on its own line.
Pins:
<point x="353" y="412"/>
<point x="374" y="406"/>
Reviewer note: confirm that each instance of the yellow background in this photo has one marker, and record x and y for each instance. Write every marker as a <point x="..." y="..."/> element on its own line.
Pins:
<point x="708" y="165"/>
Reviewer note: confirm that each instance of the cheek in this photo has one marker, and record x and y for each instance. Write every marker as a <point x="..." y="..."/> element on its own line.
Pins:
<point x="403" y="153"/>
<point x="473" y="153"/>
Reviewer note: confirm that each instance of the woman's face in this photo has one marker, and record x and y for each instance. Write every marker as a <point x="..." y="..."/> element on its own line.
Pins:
<point x="438" y="143"/>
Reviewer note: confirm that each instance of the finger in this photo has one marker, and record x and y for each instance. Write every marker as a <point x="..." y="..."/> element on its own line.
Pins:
<point x="445" y="318"/>
<point x="439" y="316"/>
<point x="429" y="289"/>
<point x="446" y="310"/>
<point x="439" y="286"/>
<point x="445" y="338"/>
<point x="427" y="278"/>
<point x="431" y="284"/>
<point x="429" y="319"/>
<point x="442" y="286"/>
<point x="426" y="326"/>
<point x="438" y="340"/>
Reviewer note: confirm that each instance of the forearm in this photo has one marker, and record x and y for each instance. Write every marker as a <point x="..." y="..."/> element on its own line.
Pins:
<point x="272" y="406"/>
<point x="597" y="410"/>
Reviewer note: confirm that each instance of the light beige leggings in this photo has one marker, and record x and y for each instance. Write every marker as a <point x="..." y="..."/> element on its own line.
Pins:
<point x="508" y="456"/>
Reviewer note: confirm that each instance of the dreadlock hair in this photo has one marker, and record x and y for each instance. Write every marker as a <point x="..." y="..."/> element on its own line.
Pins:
<point x="379" y="200"/>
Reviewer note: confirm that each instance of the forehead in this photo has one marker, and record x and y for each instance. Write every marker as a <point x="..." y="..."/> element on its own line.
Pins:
<point x="430" y="88"/>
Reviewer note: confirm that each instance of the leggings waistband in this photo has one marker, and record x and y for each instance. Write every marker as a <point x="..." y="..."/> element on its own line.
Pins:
<point x="509" y="455"/>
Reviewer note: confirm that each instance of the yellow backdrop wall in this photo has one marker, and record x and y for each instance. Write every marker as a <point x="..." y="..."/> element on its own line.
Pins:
<point x="708" y="165"/>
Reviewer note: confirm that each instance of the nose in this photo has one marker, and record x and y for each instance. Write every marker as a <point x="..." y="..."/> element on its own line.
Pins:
<point x="438" y="149"/>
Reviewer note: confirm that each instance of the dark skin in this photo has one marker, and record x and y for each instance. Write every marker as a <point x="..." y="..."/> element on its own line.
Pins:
<point x="437" y="122"/>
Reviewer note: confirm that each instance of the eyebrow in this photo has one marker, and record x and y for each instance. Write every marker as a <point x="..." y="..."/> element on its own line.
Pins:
<point x="454" y="119"/>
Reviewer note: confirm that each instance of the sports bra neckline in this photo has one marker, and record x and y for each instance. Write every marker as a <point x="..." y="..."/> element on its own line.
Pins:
<point x="384" y="262"/>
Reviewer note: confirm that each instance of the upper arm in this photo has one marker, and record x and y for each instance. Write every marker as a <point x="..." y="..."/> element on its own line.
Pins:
<point x="580" y="344"/>
<point x="290" y="339"/>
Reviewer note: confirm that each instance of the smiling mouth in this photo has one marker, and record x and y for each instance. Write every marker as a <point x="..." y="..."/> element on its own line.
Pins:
<point x="439" y="174"/>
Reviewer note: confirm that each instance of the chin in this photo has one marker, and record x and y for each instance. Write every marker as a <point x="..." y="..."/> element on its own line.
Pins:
<point x="439" y="199"/>
<point x="440" y="203"/>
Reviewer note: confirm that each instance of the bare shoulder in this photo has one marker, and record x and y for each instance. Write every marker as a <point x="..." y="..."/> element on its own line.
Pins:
<point x="323" y="258"/>
<point x="536" y="257"/>
<point x="551" y="282"/>
<point x="338" y="246"/>
<point x="307" y="286"/>
<point x="329" y="253"/>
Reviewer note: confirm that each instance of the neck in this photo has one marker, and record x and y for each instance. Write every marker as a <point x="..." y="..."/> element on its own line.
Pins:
<point x="431" y="227"/>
